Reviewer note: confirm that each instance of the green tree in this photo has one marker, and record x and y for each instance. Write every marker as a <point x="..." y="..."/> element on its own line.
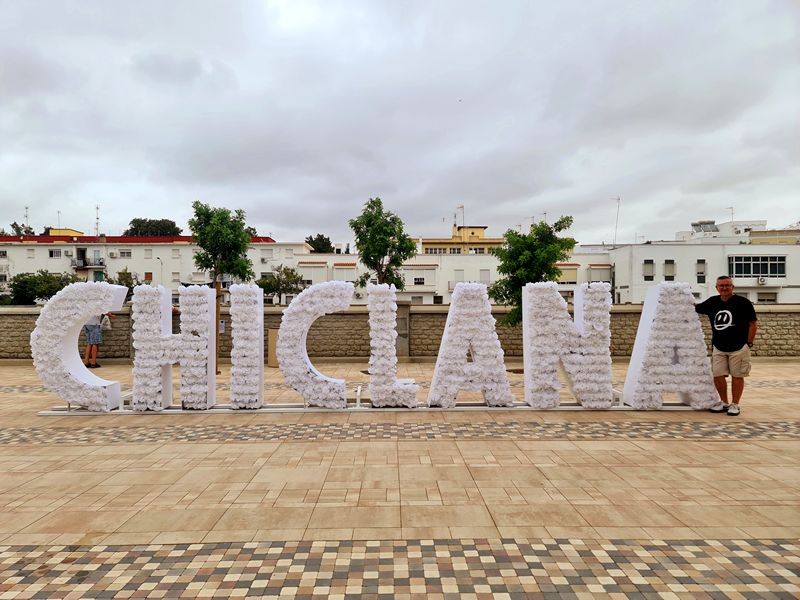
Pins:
<point x="382" y="244"/>
<point x="27" y="287"/>
<point x="223" y="239"/>
<point x="528" y="258"/>
<point x="125" y="278"/>
<point x="285" y="280"/>
<point x="22" y="229"/>
<point x="152" y="228"/>
<point x="320" y="244"/>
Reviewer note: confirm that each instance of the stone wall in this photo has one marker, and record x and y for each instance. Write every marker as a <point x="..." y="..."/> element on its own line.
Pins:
<point x="347" y="334"/>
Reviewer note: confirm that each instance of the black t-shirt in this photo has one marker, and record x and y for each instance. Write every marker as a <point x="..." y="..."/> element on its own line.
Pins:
<point x="730" y="321"/>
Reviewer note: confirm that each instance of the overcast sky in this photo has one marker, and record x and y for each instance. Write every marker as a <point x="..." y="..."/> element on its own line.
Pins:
<point x="299" y="112"/>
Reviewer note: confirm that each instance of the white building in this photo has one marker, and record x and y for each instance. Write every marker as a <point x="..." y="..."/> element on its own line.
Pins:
<point x="763" y="271"/>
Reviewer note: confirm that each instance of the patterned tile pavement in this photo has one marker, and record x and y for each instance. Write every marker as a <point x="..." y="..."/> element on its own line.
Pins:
<point x="488" y="430"/>
<point x="442" y="505"/>
<point x="464" y="568"/>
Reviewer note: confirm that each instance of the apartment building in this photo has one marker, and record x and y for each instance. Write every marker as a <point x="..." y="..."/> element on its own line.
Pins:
<point x="765" y="263"/>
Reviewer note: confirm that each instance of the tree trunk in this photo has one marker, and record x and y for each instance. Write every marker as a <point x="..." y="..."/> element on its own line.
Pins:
<point x="218" y="295"/>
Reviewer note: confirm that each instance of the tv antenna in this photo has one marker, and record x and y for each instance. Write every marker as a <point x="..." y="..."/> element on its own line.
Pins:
<point x="26" y="216"/>
<point x="97" y="221"/>
<point x="616" y="224"/>
<point x="461" y="206"/>
<point x="730" y="208"/>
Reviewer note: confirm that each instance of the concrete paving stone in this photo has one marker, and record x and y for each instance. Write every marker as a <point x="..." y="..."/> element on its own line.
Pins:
<point x="426" y="504"/>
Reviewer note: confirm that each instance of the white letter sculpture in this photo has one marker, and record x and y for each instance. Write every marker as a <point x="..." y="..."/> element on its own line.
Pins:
<point x="247" y="354"/>
<point x="669" y="354"/>
<point x="470" y="328"/>
<point x="54" y="344"/>
<point x="298" y="372"/>
<point x="384" y="387"/>
<point x="157" y="348"/>
<point x="582" y="346"/>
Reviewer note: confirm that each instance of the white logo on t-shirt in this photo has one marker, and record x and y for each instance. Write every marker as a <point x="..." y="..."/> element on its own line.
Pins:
<point x="722" y="320"/>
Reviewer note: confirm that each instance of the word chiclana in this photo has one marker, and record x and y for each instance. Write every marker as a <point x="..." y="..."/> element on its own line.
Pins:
<point x="669" y="354"/>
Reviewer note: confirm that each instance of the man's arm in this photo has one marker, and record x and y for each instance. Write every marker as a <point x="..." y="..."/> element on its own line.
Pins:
<point x="751" y="332"/>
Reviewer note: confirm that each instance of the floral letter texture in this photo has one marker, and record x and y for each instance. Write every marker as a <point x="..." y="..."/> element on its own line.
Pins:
<point x="247" y="355"/>
<point x="669" y="354"/>
<point x="54" y="344"/>
<point x="156" y="347"/>
<point x="310" y="304"/>
<point x="384" y="387"/>
<point x="549" y="335"/>
<point x="470" y="328"/>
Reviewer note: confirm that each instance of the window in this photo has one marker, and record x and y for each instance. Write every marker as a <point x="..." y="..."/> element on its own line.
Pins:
<point x="757" y="266"/>
<point x="307" y="282"/>
<point x="484" y="276"/>
<point x="176" y="253"/>
<point x="54" y="253"/>
<point x="373" y="281"/>
<point x="669" y="270"/>
<point x="148" y="276"/>
<point x="416" y="299"/>
<point x="569" y="275"/>
<point x="455" y="250"/>
<point x="458" y="275"/>
<point x="3" y="253"/>
<point x="437" y="299"/>
<point x="435" y="250"/>
<point x="600" y="273"/>
<point x="148" y="253"/>
<point x="648" y="270"/>
<point x="266" y="275"/>
<point x="288" y="252"/>
<point x="266" y="253"/>
<point x="767" y="297"/>
<point x="125" y="253"/>
<point x="3" y="277"/>
<point x="31" y="252"/>
<point x="477" y="250"/>
<point x="176" y="277"/>
<point x="700" y="270"/>
<point x="419" y="281"/>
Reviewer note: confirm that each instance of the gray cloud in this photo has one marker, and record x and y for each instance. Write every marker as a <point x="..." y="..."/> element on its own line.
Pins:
<point x="299" y="112"/>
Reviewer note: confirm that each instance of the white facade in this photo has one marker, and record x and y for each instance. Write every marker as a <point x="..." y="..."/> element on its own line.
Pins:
<point x="765" y="273"/>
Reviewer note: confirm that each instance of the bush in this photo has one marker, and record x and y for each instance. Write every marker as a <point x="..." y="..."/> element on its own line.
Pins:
<point x="27" y="287"/>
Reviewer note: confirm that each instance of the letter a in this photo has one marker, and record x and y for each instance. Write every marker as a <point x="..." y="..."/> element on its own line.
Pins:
<point x="582" y="346"/>
<point x="470" y="328"/>
<point x="299" y="373"/>
<point x="669" y="354"/>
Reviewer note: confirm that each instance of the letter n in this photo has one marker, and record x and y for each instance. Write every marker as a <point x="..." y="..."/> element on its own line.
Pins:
<point x="582" y="346"/>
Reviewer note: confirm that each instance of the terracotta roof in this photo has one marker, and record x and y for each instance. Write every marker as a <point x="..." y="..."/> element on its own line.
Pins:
<point x="112" y="239"/>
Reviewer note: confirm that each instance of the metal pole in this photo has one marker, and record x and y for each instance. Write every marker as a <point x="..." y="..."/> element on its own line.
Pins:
<point x="616" y="224"/>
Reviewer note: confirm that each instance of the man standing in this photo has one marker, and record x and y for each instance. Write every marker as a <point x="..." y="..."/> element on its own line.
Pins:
<point x="733" y="330"/>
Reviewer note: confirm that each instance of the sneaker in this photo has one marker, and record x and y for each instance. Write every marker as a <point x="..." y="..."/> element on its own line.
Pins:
<point x="733" y="410"/>
<point x="721" y="407"/>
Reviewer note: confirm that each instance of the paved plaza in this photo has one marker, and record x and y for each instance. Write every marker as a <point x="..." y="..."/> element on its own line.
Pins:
<point x="402" y="503"/>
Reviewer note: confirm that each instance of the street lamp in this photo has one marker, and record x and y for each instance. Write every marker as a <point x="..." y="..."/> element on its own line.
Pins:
<point x="161" y="270"/>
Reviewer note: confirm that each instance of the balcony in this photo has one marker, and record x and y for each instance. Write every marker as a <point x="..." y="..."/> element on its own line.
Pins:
<point x="88" y="263"/>
<point x="451" y="285"/>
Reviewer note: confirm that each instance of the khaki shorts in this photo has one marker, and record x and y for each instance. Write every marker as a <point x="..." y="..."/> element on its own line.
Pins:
<point x="735" y="364"/>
